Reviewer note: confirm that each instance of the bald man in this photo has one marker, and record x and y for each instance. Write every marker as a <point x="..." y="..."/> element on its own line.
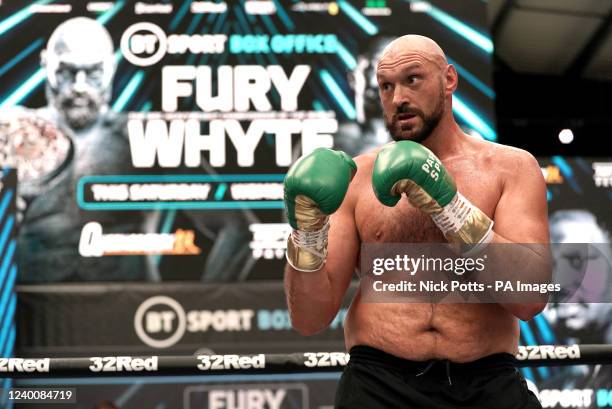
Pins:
<point x="473" y="192"/>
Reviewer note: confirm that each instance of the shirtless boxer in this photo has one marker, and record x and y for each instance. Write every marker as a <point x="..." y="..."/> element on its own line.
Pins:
<point x="414" y="355"/>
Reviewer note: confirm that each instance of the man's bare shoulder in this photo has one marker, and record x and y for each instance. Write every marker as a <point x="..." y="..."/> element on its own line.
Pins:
<point x="367" y="159"/>
<point x="365" y="163"/>
<point x="504" y="158"/>
<point x="363" y="177"/>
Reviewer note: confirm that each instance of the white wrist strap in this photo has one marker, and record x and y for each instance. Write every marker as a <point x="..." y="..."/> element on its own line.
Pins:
<point x="314" y="242"/>
<point x="454" y="215"/>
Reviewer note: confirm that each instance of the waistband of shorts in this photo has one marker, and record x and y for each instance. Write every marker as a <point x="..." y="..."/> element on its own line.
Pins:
<point x="373" y="356"/>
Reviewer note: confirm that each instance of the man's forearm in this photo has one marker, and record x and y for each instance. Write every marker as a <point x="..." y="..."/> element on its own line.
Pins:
<point x="535" y="266"/>
<point x="310" y="299"/>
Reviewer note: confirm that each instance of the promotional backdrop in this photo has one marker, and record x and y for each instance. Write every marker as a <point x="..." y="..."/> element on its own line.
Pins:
<point x="208" y="105"/>
<point x="167" y="165"/>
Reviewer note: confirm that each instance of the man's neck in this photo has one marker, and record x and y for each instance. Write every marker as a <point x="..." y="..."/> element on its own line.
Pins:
<point x="446" y="139"/>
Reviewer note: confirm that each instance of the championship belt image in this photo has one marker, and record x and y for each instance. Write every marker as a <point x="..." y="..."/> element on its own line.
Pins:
<point x="37" y="147"/>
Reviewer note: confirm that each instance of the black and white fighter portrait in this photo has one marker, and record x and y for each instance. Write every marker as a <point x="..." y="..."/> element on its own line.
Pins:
<point x="588" y="320"/>
<point x="78" y="134"/>
<point x="74" y="135"/>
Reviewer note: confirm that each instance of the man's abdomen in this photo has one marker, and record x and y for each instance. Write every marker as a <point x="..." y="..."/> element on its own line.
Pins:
<point x="457" y="332"/>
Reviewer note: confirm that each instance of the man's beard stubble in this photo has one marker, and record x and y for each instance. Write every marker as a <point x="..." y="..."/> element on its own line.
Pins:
<point x="430" y="122"/>
<point x="78" y="109"/>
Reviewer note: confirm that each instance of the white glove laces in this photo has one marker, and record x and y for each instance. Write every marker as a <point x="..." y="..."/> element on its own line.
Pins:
<point x="314" y="242"/>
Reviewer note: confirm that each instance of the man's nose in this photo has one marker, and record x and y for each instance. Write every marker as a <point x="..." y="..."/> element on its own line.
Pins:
<point x="80" y="82"/>
<point x="401" y="96"/>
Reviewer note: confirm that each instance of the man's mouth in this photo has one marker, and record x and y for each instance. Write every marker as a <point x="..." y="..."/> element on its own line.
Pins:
<point x="405" y="116"/>
<point x="406" y="121"/>
<point x="80" y="102"/>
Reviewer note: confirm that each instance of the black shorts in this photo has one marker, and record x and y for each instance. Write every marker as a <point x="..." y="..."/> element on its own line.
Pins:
<point x="374" y="379"/>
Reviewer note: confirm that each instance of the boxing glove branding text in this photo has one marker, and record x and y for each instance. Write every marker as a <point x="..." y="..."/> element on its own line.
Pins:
<point x="432" y="167"/>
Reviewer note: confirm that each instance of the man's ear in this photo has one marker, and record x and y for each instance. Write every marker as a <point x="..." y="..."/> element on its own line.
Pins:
<point x="452" y="78"/>
<point x="43" y="58"/>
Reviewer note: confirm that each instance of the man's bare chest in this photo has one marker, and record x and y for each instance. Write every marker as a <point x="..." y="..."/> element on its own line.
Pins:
<point x="404" y="223"/>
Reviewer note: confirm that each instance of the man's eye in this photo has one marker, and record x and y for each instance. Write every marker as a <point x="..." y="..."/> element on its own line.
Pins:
<point x="95" y="74"/>
<point x="412" y="79"/>
<point x="577" y="262"/>
<point x="386" y="86"/>
<point x="65" y="73"/>
<point x="65" y="77"/>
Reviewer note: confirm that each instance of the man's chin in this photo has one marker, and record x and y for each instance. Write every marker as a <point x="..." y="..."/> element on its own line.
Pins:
<point x="407" y="135"/>
<point x="80" y="119"/>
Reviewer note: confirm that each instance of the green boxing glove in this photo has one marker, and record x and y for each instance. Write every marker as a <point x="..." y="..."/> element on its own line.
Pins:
<point x="315" y="187"/>
<point x="409" y="167"/>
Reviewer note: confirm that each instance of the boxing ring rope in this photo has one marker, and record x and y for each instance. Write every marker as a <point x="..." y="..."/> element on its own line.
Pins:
<point x="308" y="362"/>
